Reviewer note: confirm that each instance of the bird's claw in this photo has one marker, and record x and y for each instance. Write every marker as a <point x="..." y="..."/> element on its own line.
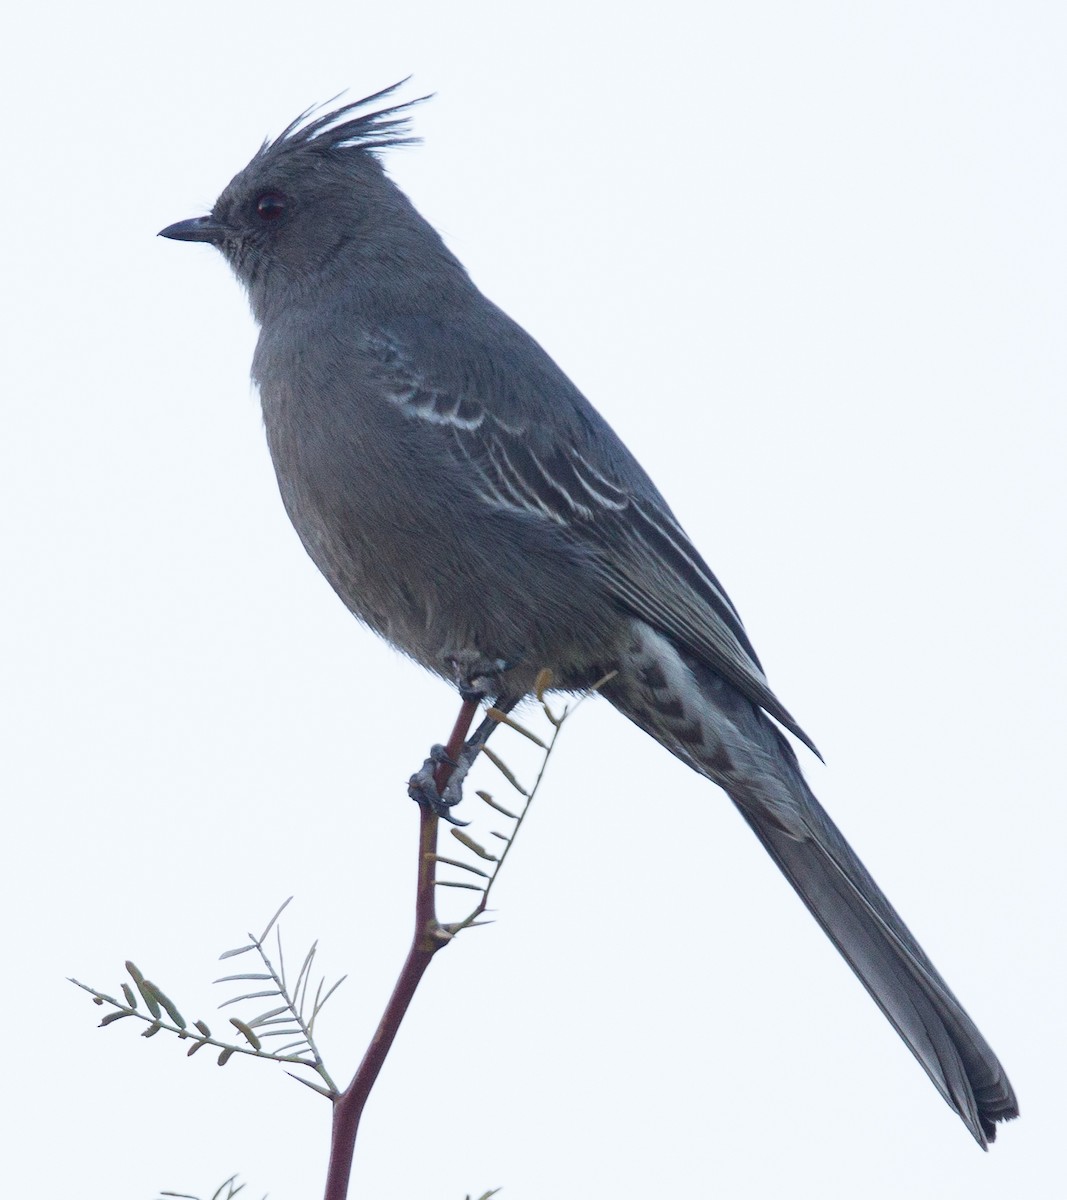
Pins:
<point x="422" y="786"/>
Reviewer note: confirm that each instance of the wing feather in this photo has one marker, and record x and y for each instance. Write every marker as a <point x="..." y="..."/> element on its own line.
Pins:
<point x="646" y="560"/>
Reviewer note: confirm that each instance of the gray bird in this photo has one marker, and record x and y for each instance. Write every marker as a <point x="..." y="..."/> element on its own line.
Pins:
<point x="467" y="503"/>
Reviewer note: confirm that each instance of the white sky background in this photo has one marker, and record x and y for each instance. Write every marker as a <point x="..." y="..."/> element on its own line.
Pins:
<point x="809" y="261"/>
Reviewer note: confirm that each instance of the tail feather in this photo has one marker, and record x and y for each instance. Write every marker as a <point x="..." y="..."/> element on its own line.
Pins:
<point x="720" y="733"/>
<point x="901" y="980"/>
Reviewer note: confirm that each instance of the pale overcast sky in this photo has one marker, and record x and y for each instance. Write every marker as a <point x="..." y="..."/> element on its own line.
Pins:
<point x="809" y="260"/>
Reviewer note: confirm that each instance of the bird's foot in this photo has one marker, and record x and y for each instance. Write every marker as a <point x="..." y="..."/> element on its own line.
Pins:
<point x="478" y="678"/>
<point x="423" y="789"/>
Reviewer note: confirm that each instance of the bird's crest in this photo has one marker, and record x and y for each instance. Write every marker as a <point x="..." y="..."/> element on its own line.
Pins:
<point x="347" y="128"/>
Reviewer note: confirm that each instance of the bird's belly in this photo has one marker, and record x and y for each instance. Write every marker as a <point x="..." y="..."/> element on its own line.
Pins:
<point x="458" y="608"/>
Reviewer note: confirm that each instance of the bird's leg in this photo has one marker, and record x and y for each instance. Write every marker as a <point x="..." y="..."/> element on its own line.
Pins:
<point x="429" y="785"/>
<point x="438" y="784"/>
<point x="452" y="791"/>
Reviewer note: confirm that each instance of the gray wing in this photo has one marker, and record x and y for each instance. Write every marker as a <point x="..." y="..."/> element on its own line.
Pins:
<point x="575" y="472"/>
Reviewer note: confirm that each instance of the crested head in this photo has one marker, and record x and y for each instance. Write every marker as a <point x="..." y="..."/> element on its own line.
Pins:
<point x="315" y="205"/>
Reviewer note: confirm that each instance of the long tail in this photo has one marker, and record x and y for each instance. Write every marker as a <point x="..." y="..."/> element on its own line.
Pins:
<point x="891" y="965"/>
<point x="721" y="734"/>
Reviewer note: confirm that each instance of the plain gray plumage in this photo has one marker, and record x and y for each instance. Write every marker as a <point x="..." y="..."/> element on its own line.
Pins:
<point x="468" y="503"/>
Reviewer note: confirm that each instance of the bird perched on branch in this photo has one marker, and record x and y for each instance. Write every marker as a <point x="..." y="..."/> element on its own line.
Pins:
<point x="469" y="504"/>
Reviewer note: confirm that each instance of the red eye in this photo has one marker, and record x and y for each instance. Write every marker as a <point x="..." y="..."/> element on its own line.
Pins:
<point x="270" y="206"/>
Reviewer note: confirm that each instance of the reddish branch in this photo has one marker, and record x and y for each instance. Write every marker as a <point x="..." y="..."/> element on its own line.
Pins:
<point x="429" y="938"/>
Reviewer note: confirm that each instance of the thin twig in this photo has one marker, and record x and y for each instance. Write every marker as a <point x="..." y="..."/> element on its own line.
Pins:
<point x="429" y="937"/>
